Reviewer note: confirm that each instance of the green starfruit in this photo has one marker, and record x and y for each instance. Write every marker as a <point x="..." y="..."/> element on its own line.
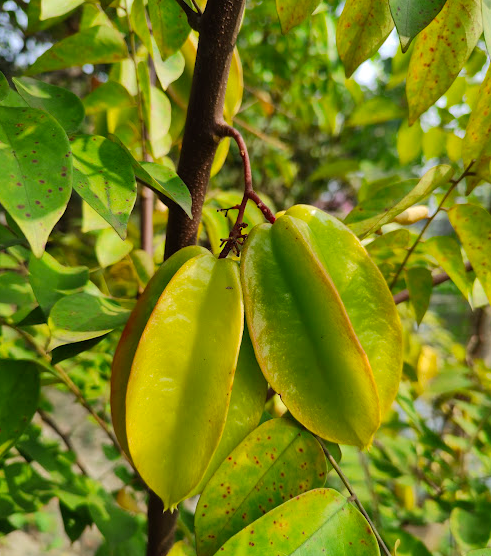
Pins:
<point x="126" y="349"/>
<point x="315" y="316"/>
<point x="181" y="377"/>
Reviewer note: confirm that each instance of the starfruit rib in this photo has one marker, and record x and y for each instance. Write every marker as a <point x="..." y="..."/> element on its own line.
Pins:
<point x="126" y="349"/>
<point x="302" y="336"/>
<point x="182" y="374"/>
<point x="365" y="295"/>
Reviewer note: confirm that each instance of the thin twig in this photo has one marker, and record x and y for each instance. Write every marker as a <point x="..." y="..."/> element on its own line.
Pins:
<point x="236" y="236"/>
<point x="454" y="184"/>
<point x="193" y="17"/>
<point x="354" y="497"/>
<point x="66" y="439"/>
<point x="437" y="280"/>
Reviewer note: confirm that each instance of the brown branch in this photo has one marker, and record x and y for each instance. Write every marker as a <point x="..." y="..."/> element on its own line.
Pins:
<point x="437" y="280"/>
<point x="193" y="17"/>
<point x="219" y="27"/>
<point x="66" y="439"/>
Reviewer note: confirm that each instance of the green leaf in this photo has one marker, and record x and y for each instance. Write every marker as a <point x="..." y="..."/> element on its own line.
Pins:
<point x="182" y="549"/>
<point x="19" y="392"/>
<point x="412" y="16"/>
<point x="56" y="8"/>
<point x="8" y="239"/>
<point x="68" y="351"/>
<point x="144" y="266"/>
<point x="475" y="145"/>
<point x="274" y="463"/>
<point x="305" y="526"/>
<point x="13" y="99"/>
<point x="482" y="551"/>
<point x="110" y="248"/>
<point x="107" y="96"/>
<point x="170" y="184"/>
<point x="139" y="23"/>
<point x="92" y="16"/>
<point x="293" y="12"/>
<point x="104" y="178"/>
<point x="447" y="253"/>
<point x="63" y="105"/>
<point x="80" y="317"/>
<point x="471" y="529"/>
<point x="169" y="24"/>
<point x="420" y="285"/>
<point x="486" y="19"/>
<point x="36" y="166"/>
<point x="375" y="111"/>
<point x="362" y="29"/>
<point x="440" y="52"/>
<point x="14" y="289"/>
<point x="96" y="45"/>
<point x="170" y="70"/>
<point x="473" y="226"/>
<point x="4" y="86"/>
<point x="50" y="280"/>
<point x="409" y="142"/>
<point x="390" y="201"/>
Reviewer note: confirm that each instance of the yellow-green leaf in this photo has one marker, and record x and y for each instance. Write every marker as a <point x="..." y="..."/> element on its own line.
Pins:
<point x="293" y="12"/>
<point x="440" y="52"/>
<point x="409" y="140"/>
<point x="420" y="285"/>
<point x="362" y="29"/>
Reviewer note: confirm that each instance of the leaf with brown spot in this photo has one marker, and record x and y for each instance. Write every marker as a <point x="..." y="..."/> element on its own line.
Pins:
<point x="362" y="29"/>
<point x="440" y="52"/>
<point x="275" y="463"/>
<point x="36" y="164"/>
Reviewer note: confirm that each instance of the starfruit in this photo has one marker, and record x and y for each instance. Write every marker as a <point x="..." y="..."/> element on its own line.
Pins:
<point x="126" y="349"/>
<point x="323" y="324"/>
<point x="181" y="377"/>
<point x="245" y="410"/>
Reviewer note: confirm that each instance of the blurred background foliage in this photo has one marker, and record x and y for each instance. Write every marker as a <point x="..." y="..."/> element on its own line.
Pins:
<point x="314" y="137"/>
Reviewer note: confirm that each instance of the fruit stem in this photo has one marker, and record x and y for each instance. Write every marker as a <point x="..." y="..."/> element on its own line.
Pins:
<point x="236" y="236"/>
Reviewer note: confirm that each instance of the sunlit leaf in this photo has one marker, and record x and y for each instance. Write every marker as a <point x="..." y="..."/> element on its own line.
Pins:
<point x="36" y="166"/>
<point x="110" y="248"/>
<point x="293" y="12"/>
<point x="169" y="24"/>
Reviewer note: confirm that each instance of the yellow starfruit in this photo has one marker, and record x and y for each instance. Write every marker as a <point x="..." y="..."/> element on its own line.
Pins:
<point x="179" y="388"/>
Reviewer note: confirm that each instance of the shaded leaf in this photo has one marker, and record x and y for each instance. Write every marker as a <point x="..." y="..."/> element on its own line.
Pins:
<point x="420" y="285"/>
<point x="486" y="19"/>
<point x="473" y="226"/>
<point x="68" y="351"/>
<point x="4" y="86"/>
<point x="15" y="289"/>
<point x="95" y="45"/>
<point x="110" y="248"/>
<point x="440" y="52"/>
<point x="412" y="16"/>
<point x="293" y="12"/>
<point x="62" y="104"/>
<point x="470" y="528"/>
<point x="235" y="85"/>
<point x="307" y="525"/>
<point x="19" y="392"/>
<point x="362" y="29"/>
<point x="447" y="253"/>
<point x="80" y="317"/>
<point x="104" y="178"/>
<point x="50" y="280"/>
<point x="375" y="111"/>
<point x="169" y="24"/>
<point x="107" y="96"/>
<point x="36" y="166"/>
<point x="275" y="463"/>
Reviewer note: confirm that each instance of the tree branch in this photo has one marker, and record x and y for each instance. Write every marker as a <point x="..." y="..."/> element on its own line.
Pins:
<point x="219" y="27"/>
<point x="193" y="17"/>
<point x="437" y="280"/>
